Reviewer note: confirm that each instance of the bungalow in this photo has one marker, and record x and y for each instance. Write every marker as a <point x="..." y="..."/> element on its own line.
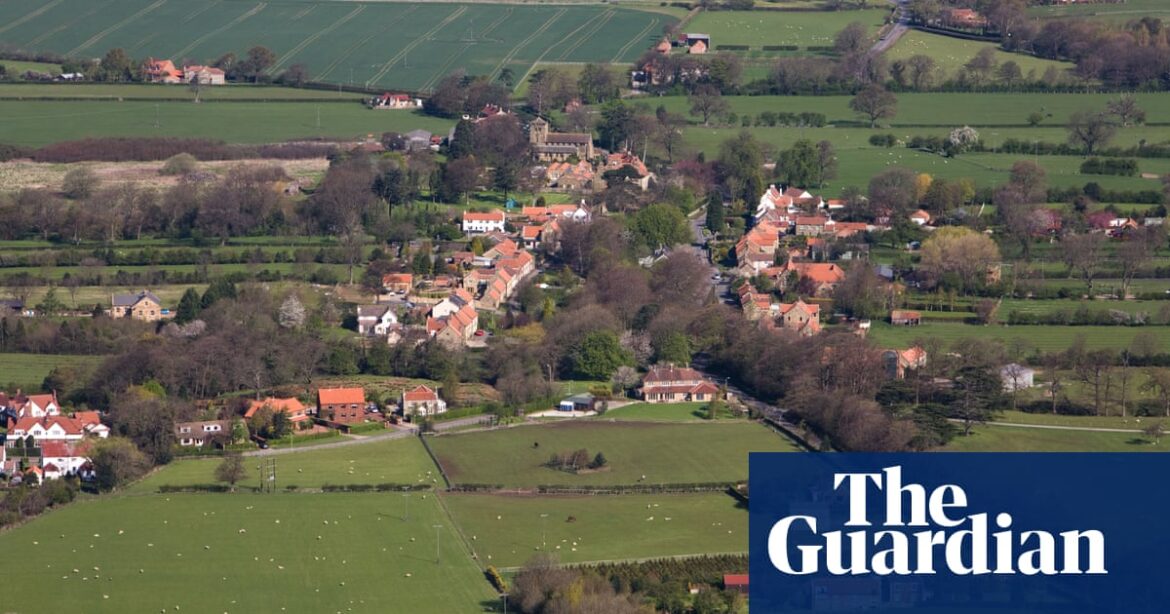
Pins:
<point x="904" y="317"/>
<point x="421" y="401"/>
<point x="478" y="223"/>
<point x="671" y="384"/>
<point x="375" y="320"/>
<point x="398" y="282"/>
<point x="341" y="405"/>
<point x="142" y="306"/>
<point x="201" y="433"/>
<point x="297" y="412"/>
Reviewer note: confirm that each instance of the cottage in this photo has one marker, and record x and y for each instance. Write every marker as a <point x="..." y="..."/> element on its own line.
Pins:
<point x="812" y="225"/>
<point x="898" y="362"/>
<point x="199" y="434"/>
<point x="341" y="405"/>
<point x="479" y="223"/>
<point x="60" y="459"/>
<point x="161" y="71"/>
<point x="394" y="101"/>
<point x="203" y="75"/>
<point x="142" y="306"/>
<point x="376" y="320"/>
<point x="296" y="411"/>
<point x="800" y="317"/>
<point x="421" y="401"/>
<point x="558" y="146"/>
<point x="398" y="282"/>
<point x="903" y="317"/>
<point x="671" y="384"/>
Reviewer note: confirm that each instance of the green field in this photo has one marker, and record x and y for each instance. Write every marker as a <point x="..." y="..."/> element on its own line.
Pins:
<point x="1109" y="422"/>
<point x="1022" y="439"/>
<point x="150" y="91"/>
<point x="1126" y="11"/>
<point x="759" y="28"/>
<point x="398" y="461"/>
<point x="659" y="412"/>
<point x="506" y="530"/>
<point x="241" y="553"/>
<point x="663" y="453"/>
<point x="17" y="68"/>
<point x="42" y="122"/>
<point x="29" y="370"/>
<point x="950" y="54"/>
<point x="1044" y="338"/>
<point x="376" y="44"/>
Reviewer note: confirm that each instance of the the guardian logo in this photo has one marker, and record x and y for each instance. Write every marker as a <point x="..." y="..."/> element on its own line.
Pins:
<point x="925" y="533"/>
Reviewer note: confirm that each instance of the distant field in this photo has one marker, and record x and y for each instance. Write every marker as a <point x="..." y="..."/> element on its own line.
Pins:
<point x="1126" y="11"/>
<point x="17" y="68"/>
<point x="950" y="54"/>
<point x="398" y="461"/>
<point x="1110" y="422"/>
<point x="759" y="28"/>
<point x="1044" y="338"/>
<point x="130" y="91"/>
<point x="401" y="45"/>
<point x="241" y="553"/>
<point x="35" y="123"/>
<point x="506" y="530"/>
<point x="663" y="453"/>
<point x="1022" y="439"/>
<point x="29" y="370"/>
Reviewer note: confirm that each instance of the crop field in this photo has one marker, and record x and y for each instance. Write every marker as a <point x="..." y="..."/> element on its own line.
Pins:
<point x="1126" y="11"/>
<point x="399" y="45"/>
<point x="950" y="54"/>
<point x="397" y="461"/>
<point x="88" y="90"/>
<point x="1044" y="338"/>
<point x="29" y="370"/>
<point x="506" y="530"/>
<point x="759" y="28"/>
<point x="241" y="553"/>
<point x="663" y="453"/>
<point x="1024" y="439"/>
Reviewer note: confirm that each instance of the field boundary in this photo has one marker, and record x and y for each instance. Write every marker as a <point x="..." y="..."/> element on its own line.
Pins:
<point x="674" y="557"/>
<point x="435" y="460"/>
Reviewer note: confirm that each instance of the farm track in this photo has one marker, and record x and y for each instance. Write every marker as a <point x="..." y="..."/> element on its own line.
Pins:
<point x="68" y="24"/>
<point x="201" y="11"/>
<point x="354" y="47"/>
<point x="104" y="33"/>
<point x="527" y="40"/>
<point x="442" y="71"/>
<point x="227" y="26"/>
<point x="601" y="20"/>
<point x="33" y="15"/>
<point x="456" y="14"/>
<point x="638" y="37"/>
<point x="288" y="55"/>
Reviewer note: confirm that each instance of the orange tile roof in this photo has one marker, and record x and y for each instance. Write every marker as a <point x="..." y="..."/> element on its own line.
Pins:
<point x="341" y="396"/>
<point x="491" y="216"/>
<point x="420" y="393"/>
<point x="822" y="273"/>
<point x="290" y="405"/>
<point x="88" y="417"/>
<point x="531" y="232"/>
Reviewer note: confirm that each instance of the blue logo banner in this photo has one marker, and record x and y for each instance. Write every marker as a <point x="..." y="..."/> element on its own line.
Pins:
<point x="961" y="533"/>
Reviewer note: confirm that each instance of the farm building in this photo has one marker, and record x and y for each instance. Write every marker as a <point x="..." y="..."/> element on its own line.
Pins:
<point x="904" y="317"/>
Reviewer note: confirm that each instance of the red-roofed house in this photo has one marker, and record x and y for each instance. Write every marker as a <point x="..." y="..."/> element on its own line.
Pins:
<point x="203" y="75"/>
<point x="161" y="71"/>
<point x="801" y="317"/>
<point x="736" y="582"/>
<point x="965" y="18"/>
<point x="49" y="428"/>
<point x="898" y="362"/>
<point x="422" y="401"/>
<point x="920" y="217"/>
<point x="394" y="101"/>
<point x="398" y="282"/>
<point x="91" y="422"/>
<point x="812" y="226"/>
<point x="475" y="222"/>
<point x="342" y="405"/>
<point x="824" y="277"/>
<point x="60" y="459"/>
<point x="671" y="384"/>
<point x="297" y="412"/>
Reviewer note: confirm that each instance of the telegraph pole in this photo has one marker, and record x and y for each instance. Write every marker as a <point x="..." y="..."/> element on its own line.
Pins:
<point x="437" y="527"/>
<point x="405" y="507"/>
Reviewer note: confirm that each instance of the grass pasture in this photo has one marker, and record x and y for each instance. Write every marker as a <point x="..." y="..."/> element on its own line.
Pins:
<point x="374" y="44"/>
<point x="398" y="461"/>
<point x="664" y="453"/>
<point x="241" y="553"/>
<point x="950" y="54"/>
<point x="1044" y="338"/>
<point x="803" y="29"/>
<point x="506" y="530"/>
<point x="659" y="412"/>
<point x="1125" y="11"/>
<point x="29" y="370"/>
<point x="1023" y="439"/>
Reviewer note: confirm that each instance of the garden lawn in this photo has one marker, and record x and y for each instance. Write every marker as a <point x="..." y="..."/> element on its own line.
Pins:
<point x="659" y="412"/>
<point x="241" y="553"/>
<point x="1043" y="338"/>
<point x="397" y="461"/>
<point x="663" y="453"/>
<point x="1023" y="439"/>
<point x="28" y="371"/>
<point x="950" y="54"/>
<point x="1109" y="422"/>
<point x="507" y="530"/>
<point x="759" y="28"/>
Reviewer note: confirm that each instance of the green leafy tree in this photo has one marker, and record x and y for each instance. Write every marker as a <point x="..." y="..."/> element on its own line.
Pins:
<point x="661" y="225"/>
<point x="188" y="308"/>
<point x="674" y="347"/>
<point x="115" y="66"/>
<point x="598" y="355"/>
<point x="741" y="159"/>
<point x="977" y="391"/>
<point x="50" y="305"/>
<point x="799" y="165"/>
<point x="716" y="213"/>
<point x="116" y="461"/>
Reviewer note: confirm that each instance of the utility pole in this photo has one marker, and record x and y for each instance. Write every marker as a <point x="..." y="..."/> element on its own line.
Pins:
<point x="405" y="507"/>
<point x="437" y="527"/>
<point x="318" y="117"/>
<point x="157" y="122"/>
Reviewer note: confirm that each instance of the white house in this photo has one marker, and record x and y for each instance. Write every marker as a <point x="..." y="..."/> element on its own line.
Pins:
<point x="478" y="223"/>
<point x="375" y="320"/>
<point x="1016" y="377"/>
<point x="199" y="433"/>
<point x="422" y="401"/>
<point x="452" y="304"/>
<point x="60" y="459"/>
<point x="50" y="428"/>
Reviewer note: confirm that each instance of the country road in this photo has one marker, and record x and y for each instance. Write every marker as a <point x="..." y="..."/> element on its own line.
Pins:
<point x="900" y="26"/>
<point x="348" y="440"/>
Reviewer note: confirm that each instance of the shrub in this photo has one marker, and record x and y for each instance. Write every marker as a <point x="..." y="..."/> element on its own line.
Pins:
<point x="179" y="164"/>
